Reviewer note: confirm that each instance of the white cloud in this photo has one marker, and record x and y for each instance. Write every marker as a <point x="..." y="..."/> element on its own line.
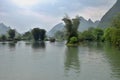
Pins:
<point x="47" y="13"/>
<point x="25" y="2"/>
<point x="29" y="3"/>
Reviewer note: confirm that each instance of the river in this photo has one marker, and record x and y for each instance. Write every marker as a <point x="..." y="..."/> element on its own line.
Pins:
<point x="56" y="61"/>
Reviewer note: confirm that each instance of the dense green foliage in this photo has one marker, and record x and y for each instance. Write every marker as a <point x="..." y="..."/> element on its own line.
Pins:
<point x="73" y="40"/>
<point x="38" y="34"/>
<point x="3" y="38"/>
<point x="11" y="34"/>
<point x="98" y="34"/>
<point x="71" y="26"/>
<point x="42" y="34"/>
<point x="92" y="34"/>
<point x="112" y="34"/>
<point x="27" y="35"/>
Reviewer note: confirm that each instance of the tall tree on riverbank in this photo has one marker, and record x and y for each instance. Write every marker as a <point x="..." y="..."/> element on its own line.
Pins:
<point x="42" y="34"/>
<point x="11" y="34"/>
<point x="38" y="34"/>
<point x="71" y="26"/>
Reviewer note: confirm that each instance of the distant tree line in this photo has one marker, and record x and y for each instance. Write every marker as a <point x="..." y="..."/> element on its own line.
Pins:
<point x="35" y="34"/>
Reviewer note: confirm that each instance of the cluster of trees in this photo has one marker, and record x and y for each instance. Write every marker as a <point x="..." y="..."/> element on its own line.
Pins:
<point x="36" y="34"/>
<point x="92" y="34"/>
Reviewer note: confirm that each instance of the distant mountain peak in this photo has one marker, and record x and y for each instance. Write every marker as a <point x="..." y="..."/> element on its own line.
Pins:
<point x="108" y="17"/>
<point x="3" y="28"/>
<point x="89" y="20"/>
<point x="82" y="18"/>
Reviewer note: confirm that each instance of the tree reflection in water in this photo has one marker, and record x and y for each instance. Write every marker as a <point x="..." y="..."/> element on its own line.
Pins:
<point x="112" y="55"/>
<point x="72" y="63"/>
<point x="12" y="44"/>
<point x="38" y="45"/>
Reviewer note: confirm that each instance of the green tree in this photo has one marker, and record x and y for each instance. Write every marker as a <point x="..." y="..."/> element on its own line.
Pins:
<point x="73" y="40"/>
<point x="88" y="35"/>
<point x="42" y="34"/>
<point x="36" y="34"/>
<point x="116" y="21"/>
<point x="108" y="34"/>
<point x="3" y="38"/>
<point x="71" y="26"/>
<point x="27" y="35"/>
<point x="98" y="33"/>
<point x="116" y="37"/>
<point x="11" y="33"/>
<point x="112" y="34"/>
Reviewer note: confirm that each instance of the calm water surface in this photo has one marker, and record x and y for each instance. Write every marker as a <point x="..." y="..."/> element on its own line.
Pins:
<point x="55" y="61"/>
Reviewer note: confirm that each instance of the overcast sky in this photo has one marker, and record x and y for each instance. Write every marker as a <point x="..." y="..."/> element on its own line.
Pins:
<point x="23" y="15"/>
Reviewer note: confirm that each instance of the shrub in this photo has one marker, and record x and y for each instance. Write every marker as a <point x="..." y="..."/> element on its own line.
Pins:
<point x="73" y="40"/>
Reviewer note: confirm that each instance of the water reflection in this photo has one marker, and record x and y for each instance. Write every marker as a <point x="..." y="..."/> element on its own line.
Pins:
<point x="38" y="45"/>
<point x="3" y="43"/>
<point x="94" y="45"/>
<point x="12" y="44"/>
<point x="72" y="63"/>
<point x="113" y="57"/>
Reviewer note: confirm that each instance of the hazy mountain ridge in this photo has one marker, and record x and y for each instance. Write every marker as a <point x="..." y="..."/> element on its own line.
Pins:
<point x="108" y="17"/>
<point x="84" y="25"/>
<point x="3" y="28"/>
<point x="58" y="27"/>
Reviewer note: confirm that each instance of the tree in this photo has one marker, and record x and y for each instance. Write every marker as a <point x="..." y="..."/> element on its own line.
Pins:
<point x="87" y="35"/>
<point x="116" y="21"/>
<point x="71" y="27"/>
<point x="108" y="34"/>
<point x="36" y="34"/>
<point x="42" y="34"/>
<point x="27" y="35"/>
<point x="112" y="34"/>
<point x="73" y="40"/>
<point x="98" y="33"/>
<point x="11" y="34"/>
<point x="3" y="38"/>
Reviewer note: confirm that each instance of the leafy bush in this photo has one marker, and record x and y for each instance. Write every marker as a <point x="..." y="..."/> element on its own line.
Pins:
<point x="73" y="40"/>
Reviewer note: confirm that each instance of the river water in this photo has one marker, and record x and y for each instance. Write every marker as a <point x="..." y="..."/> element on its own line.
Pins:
<point x="56" y="61"/>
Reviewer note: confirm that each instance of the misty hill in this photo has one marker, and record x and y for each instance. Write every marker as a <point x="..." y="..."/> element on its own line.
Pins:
<point x="3" y="28"/>
<point x="84" y="25"/>
<point x="58" y="27"/>
<point x="107" y="18"/>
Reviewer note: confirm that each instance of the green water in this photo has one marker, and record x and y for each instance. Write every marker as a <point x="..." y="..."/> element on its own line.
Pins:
<point x="55" y="61"/>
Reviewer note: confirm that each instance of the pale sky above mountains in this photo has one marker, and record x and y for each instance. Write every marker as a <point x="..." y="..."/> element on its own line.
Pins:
<point x="24" y="15"/>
